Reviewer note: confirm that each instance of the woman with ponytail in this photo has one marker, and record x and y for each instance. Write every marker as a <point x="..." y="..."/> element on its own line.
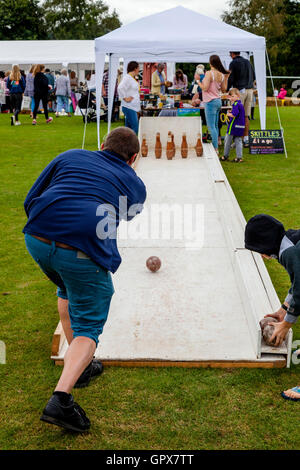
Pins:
<point x="213" y="85"/>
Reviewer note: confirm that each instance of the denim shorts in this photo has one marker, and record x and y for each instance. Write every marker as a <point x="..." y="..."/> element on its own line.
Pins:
<point x="87" y="286"/>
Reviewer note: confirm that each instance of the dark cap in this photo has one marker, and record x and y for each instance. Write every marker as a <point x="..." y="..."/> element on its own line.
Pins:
<point x="264" y="234"/>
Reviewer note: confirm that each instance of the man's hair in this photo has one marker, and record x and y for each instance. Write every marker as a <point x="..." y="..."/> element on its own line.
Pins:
<point x="122" y="141"/>
<point x="47" y="70"/>
<point x="234" y="52"/>
<point x="132" y="66"/>
<point x="234" y="91"/>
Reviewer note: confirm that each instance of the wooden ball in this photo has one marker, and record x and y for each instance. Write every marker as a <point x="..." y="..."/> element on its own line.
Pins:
<point x="268" y="333"/>
<point x="153" y="263"/>
<point x="265" y="321"/>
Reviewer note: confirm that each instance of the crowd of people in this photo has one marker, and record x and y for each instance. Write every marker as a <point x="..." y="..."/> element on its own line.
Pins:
<point x="207" y="88"/>
<point x="41" y="88"/>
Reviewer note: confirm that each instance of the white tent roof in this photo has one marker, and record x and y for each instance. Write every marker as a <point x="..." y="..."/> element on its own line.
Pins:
<point x="176" y="35"/>
<point x="179" y="28"/>
<point x="47" y="52"/>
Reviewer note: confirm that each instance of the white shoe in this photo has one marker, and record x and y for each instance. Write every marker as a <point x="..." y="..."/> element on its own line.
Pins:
<point x="17" y="123"/>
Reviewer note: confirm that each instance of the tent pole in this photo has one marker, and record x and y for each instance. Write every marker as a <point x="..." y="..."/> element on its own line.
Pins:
<point x="85" y="120"/>
<point x="276" y="104"/>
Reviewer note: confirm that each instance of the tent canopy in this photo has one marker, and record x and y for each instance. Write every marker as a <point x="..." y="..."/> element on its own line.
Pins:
<point x="178" y="35"/>
<point x="175" y="31"/>
<point x="47" y="52"/>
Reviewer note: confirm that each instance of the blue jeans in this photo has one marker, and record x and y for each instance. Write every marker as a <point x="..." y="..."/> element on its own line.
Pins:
<point x="32" y="104"/>
<point x="62" y="103"/>
<point x="87" y="286"/>
<point x="131" y="119"/>
<point x="212" y="111"/>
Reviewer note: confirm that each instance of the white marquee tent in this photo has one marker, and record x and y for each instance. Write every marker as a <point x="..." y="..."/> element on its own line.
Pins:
<point x="47" y="52"/>
<point x="78" y="55"/>
<point x="177" y="35"/>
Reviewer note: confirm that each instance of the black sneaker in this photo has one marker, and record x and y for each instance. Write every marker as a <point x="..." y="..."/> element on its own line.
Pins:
<point x="69" y="416"/>
<point x="92" y="371"/>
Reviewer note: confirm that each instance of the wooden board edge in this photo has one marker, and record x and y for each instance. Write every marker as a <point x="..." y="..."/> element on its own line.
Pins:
<point x="277" y="364"/>
<point x="57" y="340"/>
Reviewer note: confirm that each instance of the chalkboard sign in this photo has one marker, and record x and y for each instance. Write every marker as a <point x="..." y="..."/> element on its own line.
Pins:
<point x="265" y="142"/>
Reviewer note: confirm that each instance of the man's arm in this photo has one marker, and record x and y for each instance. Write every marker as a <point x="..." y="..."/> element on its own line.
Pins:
<point x="231" y="78"/>
<point x="40" y="185"/>
<point x="135" y="201"/>
<point x="290" y="259"/>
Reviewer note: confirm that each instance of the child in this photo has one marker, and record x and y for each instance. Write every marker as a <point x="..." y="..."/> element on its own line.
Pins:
<point x="267" y="236"/>
<point x="200" y="70"/>
<point x="236" y="127"/>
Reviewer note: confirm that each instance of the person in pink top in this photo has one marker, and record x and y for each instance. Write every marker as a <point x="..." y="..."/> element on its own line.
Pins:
<point x="282" y="94"/>
<point x="213" y="85"/>
<point x="180" y="81"/>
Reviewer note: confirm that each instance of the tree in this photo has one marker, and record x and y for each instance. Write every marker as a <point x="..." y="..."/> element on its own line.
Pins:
<point x="261" y="17"/>
<point x="78" y="19"/>
<point x="279" y="22"/>
<point x="21" y="20"/>
<point x="288" y="61"/>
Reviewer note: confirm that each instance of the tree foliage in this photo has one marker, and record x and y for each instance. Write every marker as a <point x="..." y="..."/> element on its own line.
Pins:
<point x="55" y="19"/>
<point x="261" y="17"/>
<point x="22" y="19"/>
<point x="78" y="19"/>
<point x="278" y="21"/>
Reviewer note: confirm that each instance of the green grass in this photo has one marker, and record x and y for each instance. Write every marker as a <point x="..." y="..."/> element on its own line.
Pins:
<point x="134" y="408"/>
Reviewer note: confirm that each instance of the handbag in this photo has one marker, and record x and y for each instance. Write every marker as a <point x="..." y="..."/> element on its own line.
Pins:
<point x="26" y="102"/>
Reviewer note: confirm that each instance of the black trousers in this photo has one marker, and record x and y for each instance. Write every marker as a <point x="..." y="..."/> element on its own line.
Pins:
<point x="37" y="99"/>
<point x="16" y="103"/>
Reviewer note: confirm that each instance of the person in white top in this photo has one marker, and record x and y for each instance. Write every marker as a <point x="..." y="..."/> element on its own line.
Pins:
<point x="128" y="91"/>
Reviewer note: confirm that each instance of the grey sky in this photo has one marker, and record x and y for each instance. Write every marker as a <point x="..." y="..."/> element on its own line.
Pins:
<point x="131" y="10"/>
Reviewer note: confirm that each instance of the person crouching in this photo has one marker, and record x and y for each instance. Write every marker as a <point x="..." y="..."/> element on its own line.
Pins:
<point x="267" y="236"/>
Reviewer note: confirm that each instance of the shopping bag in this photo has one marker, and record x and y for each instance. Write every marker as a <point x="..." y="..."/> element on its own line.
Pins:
<point x="26" y="102"/>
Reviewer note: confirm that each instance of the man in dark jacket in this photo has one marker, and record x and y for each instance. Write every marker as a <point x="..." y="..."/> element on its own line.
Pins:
<point x="74" y="209"/>
<point x="267" y="236"/>
<point x="242" y="77"/>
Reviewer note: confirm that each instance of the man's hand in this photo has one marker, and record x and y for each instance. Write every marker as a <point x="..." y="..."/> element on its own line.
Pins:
<point x="129" y="99"/>
<point x="279" y="315"/>
<point x="280" y="331"/>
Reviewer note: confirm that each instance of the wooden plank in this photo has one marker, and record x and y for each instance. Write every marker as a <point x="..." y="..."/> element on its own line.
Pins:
<point x="276" y="364"/>
<point x="57" y="340"/>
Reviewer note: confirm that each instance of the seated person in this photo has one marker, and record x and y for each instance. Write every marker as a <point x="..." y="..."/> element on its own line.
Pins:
<point x="180" y="81"/>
